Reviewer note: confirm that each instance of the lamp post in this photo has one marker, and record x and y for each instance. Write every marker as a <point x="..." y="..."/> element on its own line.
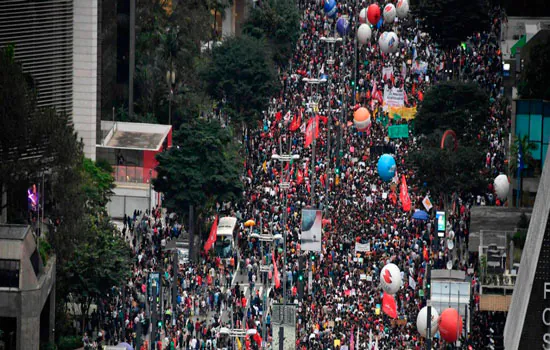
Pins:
<point x="284" y="186"/>
<point x="171" y="81"/>
<point x="316" y="98"/>
<point x="331" y="41"/>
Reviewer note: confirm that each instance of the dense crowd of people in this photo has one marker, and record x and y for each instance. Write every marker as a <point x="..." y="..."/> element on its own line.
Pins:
<point x="342" y="306"/>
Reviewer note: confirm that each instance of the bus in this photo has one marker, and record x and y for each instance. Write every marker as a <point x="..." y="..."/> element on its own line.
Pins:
<point x="225" y="237"/>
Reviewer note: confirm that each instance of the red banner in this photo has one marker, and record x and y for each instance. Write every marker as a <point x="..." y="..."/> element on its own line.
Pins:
<point x="212" y="237"/>
<point x="404" y="195"/>
<point x="389" y="307"/>
<point x="276" y="272"/>
<point x="312" y="125"/>
<point x="296" y="122"/>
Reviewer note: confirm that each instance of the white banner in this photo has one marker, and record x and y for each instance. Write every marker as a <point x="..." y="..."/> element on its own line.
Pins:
<point x="387" y="72"/>
<point x="412" y="282"/>
<point x="419" y="67"/>
<point x="394" y="97"/>
<point x="360" y="247"/>
<point x="427" y="203"/>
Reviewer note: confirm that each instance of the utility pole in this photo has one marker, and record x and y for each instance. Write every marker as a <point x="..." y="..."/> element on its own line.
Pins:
<point x="132" y="58"/>
<point x="154" y="315"/>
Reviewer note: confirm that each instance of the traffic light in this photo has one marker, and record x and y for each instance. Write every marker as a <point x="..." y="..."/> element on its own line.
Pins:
<point x="312" y="257"/>
<point x="159" y="324"/>
<point x="337" y="170"/>
<point x="353" y="83"/>
<point x="300" y="276"/>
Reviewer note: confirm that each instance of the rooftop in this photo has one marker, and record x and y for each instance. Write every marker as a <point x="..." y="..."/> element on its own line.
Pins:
<point x="13" y="232"/>
<point x="495" y="222"/>
<point x="136" y="136"/>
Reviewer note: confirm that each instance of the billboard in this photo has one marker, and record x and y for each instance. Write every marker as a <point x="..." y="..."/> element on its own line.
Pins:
<point x="311" y="230"/>
<point x="441" y="223"/>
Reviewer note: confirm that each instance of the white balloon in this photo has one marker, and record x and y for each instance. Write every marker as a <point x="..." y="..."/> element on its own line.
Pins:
<point x="422" y="321"/>
<point x="389" y="14"/>
<point x="393" y="42"/>
<point x="382" y="42"/>
<point x="402" y="8"/>
<point x="363" y="16"/>
<point x="390" y="278"/>
<point x="364" y="33"/>
<point x="502" y="186"/>
<point x="388" y="42"/>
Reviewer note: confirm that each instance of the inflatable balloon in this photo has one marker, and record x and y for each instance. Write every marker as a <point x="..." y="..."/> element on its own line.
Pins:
<point x="382" y="42"/>
<point x="389" y="13"/>
<point x="331" y="8"/>
<point x="386" y="167"/>
<point x="373" y="14"/>
<point x="502" y="185"/>
<point x="361" y="119"/>
<point x="402" y="8"/>
<point x="392" y="42"/>
<point x="363" y="16"/>
<point x="450" y="325"/>
<point x="364" y="33"/>
<point x="390" y="279"/>
<point x="342" y="26"/>
<point x="422" y="321"/>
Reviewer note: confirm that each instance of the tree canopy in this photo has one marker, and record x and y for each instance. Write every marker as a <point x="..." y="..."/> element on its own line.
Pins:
<point x="202" y="168"/>
<point x="450" y="22"/>
<point x="461" y="107"/>
<point x="277" y="21"/>
<point x="535" y="75"/>
<point x="241" y="73"/>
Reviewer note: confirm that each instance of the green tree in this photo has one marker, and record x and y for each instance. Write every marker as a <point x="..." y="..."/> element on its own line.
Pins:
<point x="98" y="185"/>
<point x="535" y="75"/>
<point x="201" y="169"/>
<point x="462" y="107"/>
<point x="526" y="147"/>
<point x="445" y="171"/>
<point x="450" y="22"/>
<point x="242" y="73"/>
<point x="277" y="21"/>
<point x="101" y="261"/>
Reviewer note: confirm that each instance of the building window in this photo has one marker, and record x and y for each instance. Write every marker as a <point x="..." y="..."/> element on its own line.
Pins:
<point x="9" y="273"/>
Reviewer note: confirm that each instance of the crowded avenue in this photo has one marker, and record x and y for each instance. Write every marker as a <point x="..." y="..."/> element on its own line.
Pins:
<point x="310" y="154"/>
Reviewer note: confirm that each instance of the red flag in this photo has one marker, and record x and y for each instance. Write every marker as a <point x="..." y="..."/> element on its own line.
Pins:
<point x="323" y="119"/>
<point x="296" y="122"/>
<point x="425" y="254"/>
<point x="276" y="272"/>
<point x="420" y="96"/>
<point x="388" y="305"/>
<point x="278" y="116"/>
<point x="404" y="194"/>
<point x="299" y="177"/>
<point x="312" y="125"/>
<point x="212" y="237"/>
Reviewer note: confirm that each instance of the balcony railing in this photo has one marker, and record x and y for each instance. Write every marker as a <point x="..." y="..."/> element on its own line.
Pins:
<point x="132" y="174"/>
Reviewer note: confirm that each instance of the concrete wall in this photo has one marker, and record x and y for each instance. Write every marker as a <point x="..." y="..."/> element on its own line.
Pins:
<point x="129" y="197"/>
<point x="85" y="75"/>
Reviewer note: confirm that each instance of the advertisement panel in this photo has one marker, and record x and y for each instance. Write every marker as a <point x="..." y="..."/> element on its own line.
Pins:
<point x="311" y="230"/>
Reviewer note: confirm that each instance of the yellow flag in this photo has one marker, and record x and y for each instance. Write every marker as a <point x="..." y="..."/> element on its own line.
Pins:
<point x="239" y="345"/>
<point x="264" y="166"/>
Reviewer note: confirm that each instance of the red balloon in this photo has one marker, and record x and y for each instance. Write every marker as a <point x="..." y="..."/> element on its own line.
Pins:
<point x="450" y="325"/>
<point x="373" y="14"/>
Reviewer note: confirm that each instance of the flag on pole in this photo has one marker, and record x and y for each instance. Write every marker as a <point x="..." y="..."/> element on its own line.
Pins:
<point x="276" y="272"/>
<point x="427" y="203"/>
<point x="389" y="307"/>
<point x="312" y="130"/>
<point x="404" y="195"/>
<point x="212" y="237"/>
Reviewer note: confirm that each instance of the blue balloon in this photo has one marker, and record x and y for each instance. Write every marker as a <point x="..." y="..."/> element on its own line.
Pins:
<point x="342" y="26"/>
<point x="386" y="167"/>
<point x="330" y="8"/>
<point x="380" y="23"/>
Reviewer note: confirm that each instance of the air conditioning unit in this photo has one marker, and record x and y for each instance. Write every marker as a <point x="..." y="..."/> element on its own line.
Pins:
<point x="488" y="280"/>
<point x="509" y="280"/>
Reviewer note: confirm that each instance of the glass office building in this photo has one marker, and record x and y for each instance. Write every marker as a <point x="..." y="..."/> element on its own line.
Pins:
<point x="533" y="119"/>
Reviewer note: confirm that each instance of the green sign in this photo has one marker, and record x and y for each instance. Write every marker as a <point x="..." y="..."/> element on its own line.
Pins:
<point x="398" y="131"/>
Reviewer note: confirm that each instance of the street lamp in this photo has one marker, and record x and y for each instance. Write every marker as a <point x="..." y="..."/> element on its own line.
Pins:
<point x="284" y="186"/>
<point x="316" y="98"/>
<point x="171" y="81"/>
